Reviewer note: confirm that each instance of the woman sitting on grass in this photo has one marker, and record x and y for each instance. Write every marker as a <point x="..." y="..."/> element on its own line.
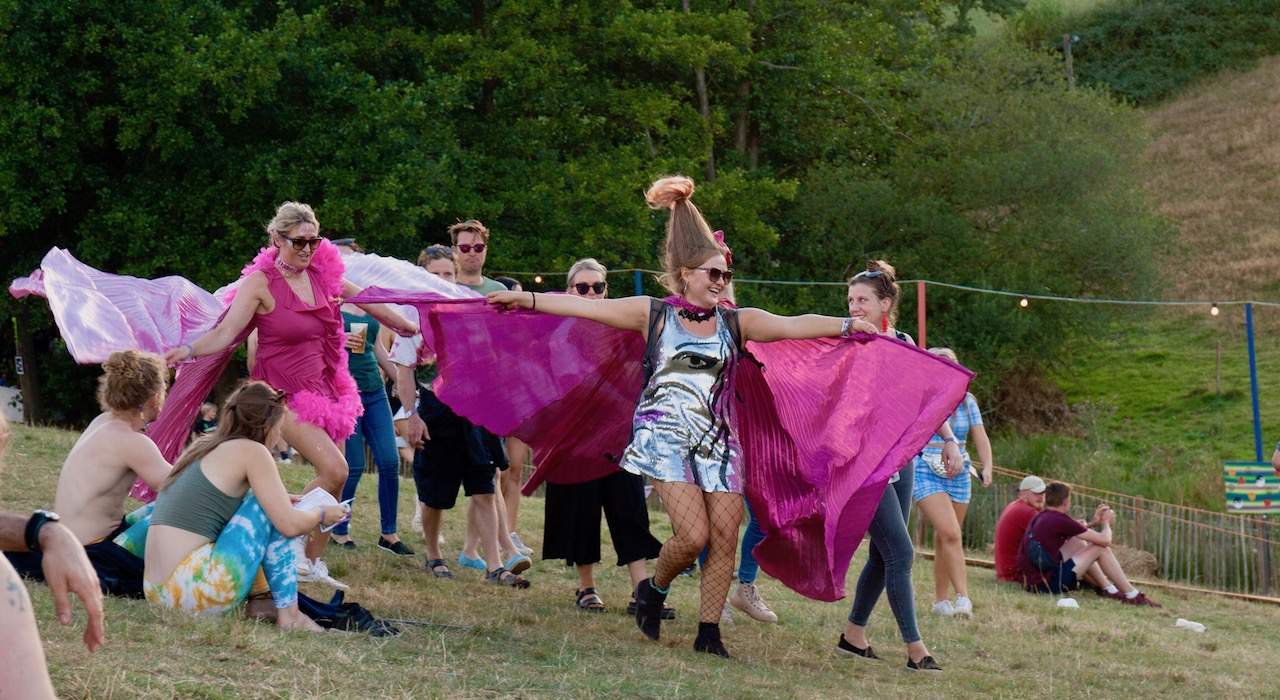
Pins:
<point x="208" y="535"/>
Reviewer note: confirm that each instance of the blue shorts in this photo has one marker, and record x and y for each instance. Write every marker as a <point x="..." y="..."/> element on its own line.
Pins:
<point x="958" y="487"/>
<point x="1058" y="580"/>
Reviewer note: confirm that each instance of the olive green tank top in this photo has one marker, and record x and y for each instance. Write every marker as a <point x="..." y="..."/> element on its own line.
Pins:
<point x="194" y="504"/>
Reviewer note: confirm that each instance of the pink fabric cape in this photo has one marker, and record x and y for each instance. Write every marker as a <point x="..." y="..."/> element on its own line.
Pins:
<point x="823" y="423"/>
<point x="98" y="313"/>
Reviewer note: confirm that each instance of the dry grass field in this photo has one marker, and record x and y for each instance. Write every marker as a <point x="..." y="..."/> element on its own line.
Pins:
<point x="1215" y="172"/>
<point x="533" y="644"/>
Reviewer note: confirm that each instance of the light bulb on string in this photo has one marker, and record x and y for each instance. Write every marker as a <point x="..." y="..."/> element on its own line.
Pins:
<point x="1213" y="310"/>
<point x="537" y="279"/>
<point x="1024" y="302"/>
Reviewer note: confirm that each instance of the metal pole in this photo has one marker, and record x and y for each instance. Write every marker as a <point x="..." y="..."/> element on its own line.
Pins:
<point x="639" y="282"/>
<point x="1253" y="384"/>
<point x="921" y="315"/>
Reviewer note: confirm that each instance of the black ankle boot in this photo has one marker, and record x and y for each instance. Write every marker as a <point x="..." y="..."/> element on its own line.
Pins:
<point x="649" y="609"/>
<point x="709" y="640"/>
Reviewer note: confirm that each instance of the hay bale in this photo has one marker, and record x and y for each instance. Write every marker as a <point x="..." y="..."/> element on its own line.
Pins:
<point x="1136" y="562"/>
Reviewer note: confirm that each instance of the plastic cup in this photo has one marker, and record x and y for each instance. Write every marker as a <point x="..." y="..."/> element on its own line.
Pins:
<point x="360" y="330"/>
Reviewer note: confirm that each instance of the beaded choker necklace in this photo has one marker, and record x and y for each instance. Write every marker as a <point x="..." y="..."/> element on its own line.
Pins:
<point x="286" y="267"/>
<point x="690" y="311"/>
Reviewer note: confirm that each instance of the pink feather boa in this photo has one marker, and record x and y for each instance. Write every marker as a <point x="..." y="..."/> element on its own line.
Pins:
<point x="335" y="414"/>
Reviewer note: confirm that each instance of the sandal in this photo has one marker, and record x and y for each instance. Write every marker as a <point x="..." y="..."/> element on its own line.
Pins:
<point x="438" y="568"/>
<point x="590" y="601"/>
<point x="501" y="577"/>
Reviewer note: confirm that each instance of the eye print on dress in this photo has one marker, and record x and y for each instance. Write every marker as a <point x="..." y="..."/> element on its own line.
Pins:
<point x="695" y="360"/>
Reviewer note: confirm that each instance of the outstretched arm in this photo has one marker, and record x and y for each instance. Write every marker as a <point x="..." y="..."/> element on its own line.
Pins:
<point x="386" y="315"/>
<point x="67" y="570"/>
<point x="631" y="313"/>
<point x="243" y="307"/>
<point x="763" y="327"/>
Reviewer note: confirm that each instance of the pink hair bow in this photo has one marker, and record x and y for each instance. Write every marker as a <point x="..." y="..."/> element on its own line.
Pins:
<point x="728" y="254"/>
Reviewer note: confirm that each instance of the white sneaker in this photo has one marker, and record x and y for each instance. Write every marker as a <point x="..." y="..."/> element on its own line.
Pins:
<point x="726" y="615"/>
<point x="520" y="545"/>
<point x="316" y="571"/>
<point x="746" y="597"/>
<point x="944" y="608"/>
<point x="964" y="607"/>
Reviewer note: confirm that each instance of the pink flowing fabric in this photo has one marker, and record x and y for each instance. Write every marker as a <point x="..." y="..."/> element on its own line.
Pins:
<point x="98" y="313"/>
<point x="823" y="423"/>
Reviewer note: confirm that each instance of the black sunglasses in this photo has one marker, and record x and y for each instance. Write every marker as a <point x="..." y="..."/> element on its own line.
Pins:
<point x="715" y="274"/>
<point x="468" y="247"/>
<point x="598" y="287"/>
<point x="301" y="243"/>
<point x="869" y="274"/>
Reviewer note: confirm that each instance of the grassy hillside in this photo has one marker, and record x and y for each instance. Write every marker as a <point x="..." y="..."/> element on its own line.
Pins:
<point x="534" y="644"/>
<point x="1215" y="171"/>
<point x="1158" y="410"/>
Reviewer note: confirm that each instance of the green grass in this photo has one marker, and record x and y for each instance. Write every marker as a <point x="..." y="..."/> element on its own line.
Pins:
<point x="1158" y="412"/>
<point x="533" y="644"/>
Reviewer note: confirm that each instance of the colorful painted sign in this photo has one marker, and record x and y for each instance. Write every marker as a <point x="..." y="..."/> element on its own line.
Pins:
<point x="1251" y="487"/>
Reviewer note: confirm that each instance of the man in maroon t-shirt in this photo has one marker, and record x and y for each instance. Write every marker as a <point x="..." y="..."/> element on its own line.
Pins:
<point x="1012" y="525"/>
<point x="1058" y="550"/>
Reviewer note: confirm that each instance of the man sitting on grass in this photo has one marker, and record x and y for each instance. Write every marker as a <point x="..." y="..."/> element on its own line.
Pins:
<point x="110" y="454"/>
<point x="1057" y="550"/>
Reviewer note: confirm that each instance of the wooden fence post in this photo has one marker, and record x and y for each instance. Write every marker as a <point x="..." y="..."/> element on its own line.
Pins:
<point x="1264" y="556"/>
<point x="1066" y="55"/>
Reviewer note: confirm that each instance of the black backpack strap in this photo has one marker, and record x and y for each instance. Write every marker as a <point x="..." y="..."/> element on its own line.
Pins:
<point x="657" y="307"/>
<point x="731" y="322"/>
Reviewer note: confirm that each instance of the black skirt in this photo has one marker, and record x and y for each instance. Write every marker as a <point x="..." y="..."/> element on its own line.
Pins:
<point x="571" y="529"/>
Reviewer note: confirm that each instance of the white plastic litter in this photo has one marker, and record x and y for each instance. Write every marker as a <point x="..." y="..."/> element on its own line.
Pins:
<point x="1068" y="603"/>
<point x="1189" y="625"/>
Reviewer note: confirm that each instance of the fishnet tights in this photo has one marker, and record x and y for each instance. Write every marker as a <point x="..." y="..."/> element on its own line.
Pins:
<point x="700" y="520"/>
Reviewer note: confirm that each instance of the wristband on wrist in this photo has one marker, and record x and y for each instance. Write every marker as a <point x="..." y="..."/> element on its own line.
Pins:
<point x="533" y="297"/>
<point x="846" y="328"/>
<point x="37" y="521"/>
<point x="191" y="351"/>
<point x="951" y="440"/>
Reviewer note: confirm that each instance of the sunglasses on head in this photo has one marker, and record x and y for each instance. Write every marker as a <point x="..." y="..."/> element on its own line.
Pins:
<point x="468" y="247"/>
<point x="300" y="243"/>
<point x="869" y="274"/>
<point x="598" y="287"/>
<point x="716" y="275"/>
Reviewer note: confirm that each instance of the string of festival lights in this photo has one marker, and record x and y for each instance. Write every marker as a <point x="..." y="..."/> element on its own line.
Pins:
<point x="1024" y="298"/>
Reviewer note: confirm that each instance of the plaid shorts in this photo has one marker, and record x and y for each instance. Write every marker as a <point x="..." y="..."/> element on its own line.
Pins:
<point x="958" y="487"/>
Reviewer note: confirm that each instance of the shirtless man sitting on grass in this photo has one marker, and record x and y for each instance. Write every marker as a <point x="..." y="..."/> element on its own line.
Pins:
<point x="110" y="454"/>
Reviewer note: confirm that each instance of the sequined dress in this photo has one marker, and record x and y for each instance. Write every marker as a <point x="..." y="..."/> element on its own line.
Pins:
<point x="682" y="430"/>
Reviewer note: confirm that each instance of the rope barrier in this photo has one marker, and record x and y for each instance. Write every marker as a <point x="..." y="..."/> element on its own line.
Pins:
<point x="949" y="285"/>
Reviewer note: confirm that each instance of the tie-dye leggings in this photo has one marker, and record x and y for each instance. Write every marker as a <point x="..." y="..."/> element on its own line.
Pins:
<point x="217" y="576"/>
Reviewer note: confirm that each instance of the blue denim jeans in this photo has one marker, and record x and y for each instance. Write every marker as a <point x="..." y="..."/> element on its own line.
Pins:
<point x="748" y="569"/>
<point x="374" y="427"/>
<point x="888" y="566"/>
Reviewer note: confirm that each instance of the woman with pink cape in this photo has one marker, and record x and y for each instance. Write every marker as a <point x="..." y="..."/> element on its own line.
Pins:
<point x="807" y="436"/>
<point x="291" y="294"/>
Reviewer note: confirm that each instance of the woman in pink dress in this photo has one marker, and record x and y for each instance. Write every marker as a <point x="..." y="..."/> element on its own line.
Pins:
<point x="291" y="294"/>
